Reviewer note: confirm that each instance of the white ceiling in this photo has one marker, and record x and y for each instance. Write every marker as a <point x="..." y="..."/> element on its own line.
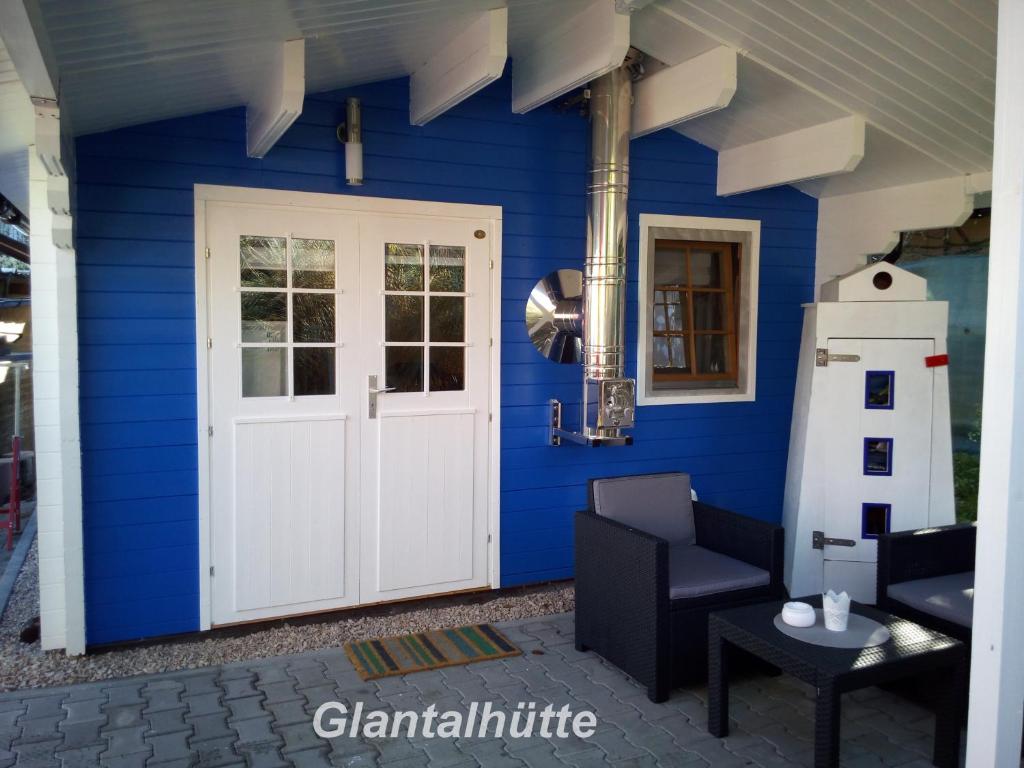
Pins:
<point x="921" y="72"/>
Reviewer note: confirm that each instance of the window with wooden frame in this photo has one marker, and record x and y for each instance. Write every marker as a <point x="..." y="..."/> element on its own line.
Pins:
<point x="695" y="313"/>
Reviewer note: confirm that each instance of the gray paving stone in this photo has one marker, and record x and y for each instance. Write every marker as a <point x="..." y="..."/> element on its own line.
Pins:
<point x="300" y="737"/>
<point x="280" y="691"/>
<point x="309" y="676"/>
<point x="256" y="730"/>
<point x="162" y="695"/>
<point x="84" y="710"/>
<point x="136" y="760"/>
<point x="354" y="761"/>
<point x="39" y="728"/>
<point x="124" y="715"/>
<point x="203" y="703"/>
<point x="124" y="741"/>
<point x="443" y="753"/>
<point x="615" y="745"/>
<point x="239" y="687"/>
<point x="199" y="683"/>
<point x="288" y="712"/>
<point x="207" y="727"/>
<point x="309" y="758"/>
<point x="215" y="753"/>
<point x="37" y="754"/>
<point x="81" y="757"/>
<point x="82" y="733"/>
<point x="43" y="706"/>
<point x="124" y="695"/>
<point x="167" y="721"/>
<point x="169" y="746"/>
<point x="245" y="708"/>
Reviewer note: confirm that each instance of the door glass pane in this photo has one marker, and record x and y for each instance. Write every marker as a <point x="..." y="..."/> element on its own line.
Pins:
<point x="705" y="269"/>
<point x="711" y="354"/>
<point x="264" y="372"/>
<point x="264" y="316"/>
<point x="659" y="318"/>
<point x="403" y="267"/>
<point x="313" y="317"/>
<point x="263" y="261"/>
<point x="669" y="266"/>
<point x="314" y="371"/>
<point x="403" y="368"/>
<point x="312" y="263"/>
<point x="447" y="318"/>
<point x="447" y="369"/>
<point x="403" y="318"/>
<point x="708" y="314"/>
<point x="447" y="268"/>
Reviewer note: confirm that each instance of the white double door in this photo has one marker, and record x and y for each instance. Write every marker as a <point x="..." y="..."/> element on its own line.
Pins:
<point x="325" y="492"/>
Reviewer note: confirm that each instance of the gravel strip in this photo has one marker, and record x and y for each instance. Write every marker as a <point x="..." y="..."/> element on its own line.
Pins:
<point x="24" y="665"/>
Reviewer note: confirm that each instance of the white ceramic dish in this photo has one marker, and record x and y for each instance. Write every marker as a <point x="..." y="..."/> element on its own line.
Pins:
<point x="798" y="614"/>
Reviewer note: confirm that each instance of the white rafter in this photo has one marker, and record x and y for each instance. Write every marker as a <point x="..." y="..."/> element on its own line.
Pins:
<point x="808" y="153"/>
<point x="470" y="61"/>
<point x="279" y="102"/>
<point x="569" y="55"/>
<point x="703" y="84"/>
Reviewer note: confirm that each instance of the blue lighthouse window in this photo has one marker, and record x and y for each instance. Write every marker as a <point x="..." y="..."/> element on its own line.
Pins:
<point x="877" y="455"/>
<point x="879" y="389"/>
<point x="875" y="519"/>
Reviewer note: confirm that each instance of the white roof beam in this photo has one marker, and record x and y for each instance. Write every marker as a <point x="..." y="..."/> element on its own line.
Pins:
<point x="472" y="60"/>
<point x="569" y="55"/>
<point x="28" y="45"/>
<point x="272" y="111"/>
<point x="809" y="153"/>
<point x="851" y="227"/>
<point x="703" y="84"/>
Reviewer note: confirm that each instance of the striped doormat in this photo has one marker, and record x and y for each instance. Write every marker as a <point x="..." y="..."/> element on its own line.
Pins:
<point x="403" y="654"/>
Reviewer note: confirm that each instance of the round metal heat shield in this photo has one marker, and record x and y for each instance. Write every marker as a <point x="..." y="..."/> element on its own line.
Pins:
<point x="553" y="316"/>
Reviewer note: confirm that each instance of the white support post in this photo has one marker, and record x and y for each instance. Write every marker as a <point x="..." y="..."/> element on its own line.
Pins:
<point x="809" y="153"/>
<point x="272" y="111"/>
<point x="55" y="402"/>
<point x="470" y="61"/>
<point x="997" y="666"/>
<point x="569" y="55"/>
<point x="703" y="84"/>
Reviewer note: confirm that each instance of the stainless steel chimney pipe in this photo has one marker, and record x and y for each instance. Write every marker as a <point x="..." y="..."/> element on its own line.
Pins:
<point x="604" y="274"/>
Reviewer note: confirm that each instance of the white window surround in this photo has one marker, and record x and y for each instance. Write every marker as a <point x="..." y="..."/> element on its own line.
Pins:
<point x="746" y="232"/>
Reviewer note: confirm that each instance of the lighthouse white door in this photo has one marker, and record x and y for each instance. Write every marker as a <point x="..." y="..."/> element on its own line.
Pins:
<point x="879" y="394"/>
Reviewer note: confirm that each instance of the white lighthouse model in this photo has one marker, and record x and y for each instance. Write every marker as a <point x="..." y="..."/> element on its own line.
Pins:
<point x="870" y="449"/>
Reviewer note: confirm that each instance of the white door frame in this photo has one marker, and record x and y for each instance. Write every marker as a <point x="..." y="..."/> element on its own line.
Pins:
<point x="245" y="196"/>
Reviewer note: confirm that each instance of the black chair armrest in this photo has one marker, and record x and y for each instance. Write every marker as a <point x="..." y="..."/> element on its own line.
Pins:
<point x="744" y="538"/>
<point x="923" y="554"/>
<point x="622" y="600"/>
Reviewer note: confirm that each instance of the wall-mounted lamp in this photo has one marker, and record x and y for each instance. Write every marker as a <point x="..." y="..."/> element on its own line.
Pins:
<point x="350" y="133"/>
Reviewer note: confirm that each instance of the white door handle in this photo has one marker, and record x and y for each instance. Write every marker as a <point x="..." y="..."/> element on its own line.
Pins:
<point x="373" y="390"/>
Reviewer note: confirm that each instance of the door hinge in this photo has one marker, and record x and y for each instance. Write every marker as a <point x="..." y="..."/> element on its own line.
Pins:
<point x="207" y="253"/>
<point x="822" y="358"/>
<point x="209" y="431"/>
<point x="211" y="570"/>
<point x="488" y="538"/>
<point x="209" y="343"/>
<point x="490" y="343"/>
<point x="491" y="263"/>
<point x="490" y="417"/>
<point x="819" y="540"/>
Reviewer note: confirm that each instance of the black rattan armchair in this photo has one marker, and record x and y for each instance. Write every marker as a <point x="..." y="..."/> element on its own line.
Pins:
<point x="651" y="565"/>
<point x="927" y="576"/>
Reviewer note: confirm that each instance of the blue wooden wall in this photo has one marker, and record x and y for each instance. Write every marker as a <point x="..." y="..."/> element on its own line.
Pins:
<point x="137" y="324"/>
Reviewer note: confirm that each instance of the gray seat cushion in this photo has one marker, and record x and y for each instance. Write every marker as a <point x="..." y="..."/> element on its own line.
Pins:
<point x="694" y="571"/>
<point x="946" y="597"/>
<point x="657" y="504"/>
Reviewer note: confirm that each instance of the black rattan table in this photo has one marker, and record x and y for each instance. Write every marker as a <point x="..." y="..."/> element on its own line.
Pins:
<point x="912" y="651"/>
